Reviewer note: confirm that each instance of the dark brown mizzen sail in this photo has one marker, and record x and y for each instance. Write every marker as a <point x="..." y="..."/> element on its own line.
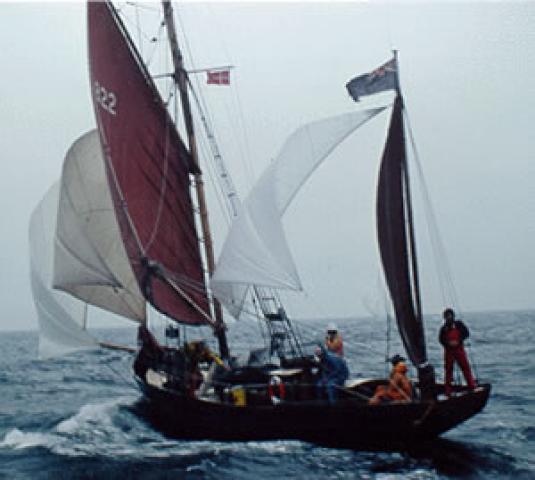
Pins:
<point x="396" y="245"/>
<point x="148" y="171"/>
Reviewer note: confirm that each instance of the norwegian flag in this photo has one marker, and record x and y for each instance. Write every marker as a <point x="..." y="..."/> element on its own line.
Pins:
<point x="219" y="77"/>
<point x="379" y="80"/>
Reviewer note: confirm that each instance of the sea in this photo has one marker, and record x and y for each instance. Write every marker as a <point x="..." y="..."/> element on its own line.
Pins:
<point x="77" y="417"/>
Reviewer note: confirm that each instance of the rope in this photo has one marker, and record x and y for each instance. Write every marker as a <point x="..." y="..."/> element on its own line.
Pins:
<point x="125" y="380"/>
<point x="449" y="295"/>
<point x="446" y="283"/>
<point x="245" y="156"/>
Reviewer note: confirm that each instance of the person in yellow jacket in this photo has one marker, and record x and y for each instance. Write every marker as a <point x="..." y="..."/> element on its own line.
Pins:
<point x="198" y="352"/>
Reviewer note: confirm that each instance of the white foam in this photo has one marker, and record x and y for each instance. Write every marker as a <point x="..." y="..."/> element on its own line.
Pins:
<point x="276" y="446"/>
<point x="17" y="439"/>
<point x="92" y="432"/>
<point x="91" y="414"/>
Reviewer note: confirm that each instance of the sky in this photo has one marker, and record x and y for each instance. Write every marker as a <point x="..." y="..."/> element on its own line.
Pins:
<point x="467" y="74"/>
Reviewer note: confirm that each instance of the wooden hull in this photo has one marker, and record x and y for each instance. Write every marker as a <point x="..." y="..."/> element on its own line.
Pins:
<point x="349" y="423"/>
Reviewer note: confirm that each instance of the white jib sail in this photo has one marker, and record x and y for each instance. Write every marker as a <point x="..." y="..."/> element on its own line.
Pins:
<point x="255" y="251"/>
<point x="61" y="317"/>
<point x="90" y="259"/>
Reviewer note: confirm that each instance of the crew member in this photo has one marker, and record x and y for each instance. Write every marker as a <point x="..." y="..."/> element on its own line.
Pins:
<point x="399" y="388"/>
<point x="334" y="373"/>
<point x="333" y="340"/>
<point x="452" y="335"/>
<point x="198" y="352"/>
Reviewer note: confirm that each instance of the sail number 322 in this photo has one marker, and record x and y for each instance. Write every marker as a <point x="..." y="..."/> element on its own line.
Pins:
<point x="106" y="99"/>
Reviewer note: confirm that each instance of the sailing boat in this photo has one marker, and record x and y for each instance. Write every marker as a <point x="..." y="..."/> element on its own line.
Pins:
<point x="126" y="234"/>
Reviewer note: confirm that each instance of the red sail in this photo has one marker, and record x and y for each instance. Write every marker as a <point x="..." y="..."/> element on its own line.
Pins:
<point x="148" y="170"/>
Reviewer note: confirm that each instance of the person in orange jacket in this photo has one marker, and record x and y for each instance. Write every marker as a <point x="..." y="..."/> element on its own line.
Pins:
<point x="333" y="340"/>
<point x="399" y="388"/>
<point x="452" y="335"/>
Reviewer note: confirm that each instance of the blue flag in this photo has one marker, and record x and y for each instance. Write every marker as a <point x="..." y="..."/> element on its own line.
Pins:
<point x="381" y="79"/>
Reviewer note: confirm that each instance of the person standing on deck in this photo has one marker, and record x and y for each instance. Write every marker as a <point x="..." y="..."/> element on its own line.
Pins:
<point x="333" y="340"/>
<point x="452" y="335"/>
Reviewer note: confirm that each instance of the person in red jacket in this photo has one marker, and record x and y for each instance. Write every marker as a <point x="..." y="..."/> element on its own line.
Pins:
<point x="452" y="335"/>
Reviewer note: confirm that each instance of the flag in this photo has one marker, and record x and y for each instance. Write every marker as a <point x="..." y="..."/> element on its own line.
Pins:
<point x="218" y="77"/>
<point x="381" y="79"/>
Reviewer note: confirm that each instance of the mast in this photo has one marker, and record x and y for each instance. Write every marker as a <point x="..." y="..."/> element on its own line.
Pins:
<point x="426" y="375"/>
<point x="412" y="243"/>
<point x="408" y="199"/>
<point x="180" y="78"/>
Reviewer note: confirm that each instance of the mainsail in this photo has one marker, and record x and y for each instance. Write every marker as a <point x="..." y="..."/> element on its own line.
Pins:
<point x="148" y="170"/>
<point x="256" y="251"/>
<point x="90" y="261"/>
<point x="61" y="317"/>
<point x="394" y="240"/>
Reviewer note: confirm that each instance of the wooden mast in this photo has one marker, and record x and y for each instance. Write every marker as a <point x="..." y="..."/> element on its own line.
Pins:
<point x="180" y="78"/>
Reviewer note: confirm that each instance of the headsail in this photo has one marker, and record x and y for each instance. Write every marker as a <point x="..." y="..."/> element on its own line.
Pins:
<point x="256" y="251"/>
<point x="148" y="170"/>
<point x="393" y="237"/>
<point x="90" y="261"/>
<point x="61" y="317"/>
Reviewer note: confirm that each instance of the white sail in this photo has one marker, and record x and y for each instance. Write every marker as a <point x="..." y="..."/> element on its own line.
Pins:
<point x="255" y="251"/>
<point x="90" y="259"/>
<point x="61" y="317"/>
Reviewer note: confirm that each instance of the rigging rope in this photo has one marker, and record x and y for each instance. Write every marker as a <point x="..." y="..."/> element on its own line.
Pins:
<point x="449" y="295"/>
<point x="141" y="34"/>
<point x="127" y="382"/>
<point x="245" y="150"/>
<point x="208" y="126"/>
<point x="447" y="285"/>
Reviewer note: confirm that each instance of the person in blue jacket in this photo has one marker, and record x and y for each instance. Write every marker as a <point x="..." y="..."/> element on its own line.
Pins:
<point x="334" y="373"/>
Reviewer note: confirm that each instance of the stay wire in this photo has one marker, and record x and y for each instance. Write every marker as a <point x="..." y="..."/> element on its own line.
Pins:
<point x="126" y="381"/>
<point x="225" y="202"/>
<point x="246" y="156"/>
<point x="142" y="36"/>
<point x="449" y="294"/>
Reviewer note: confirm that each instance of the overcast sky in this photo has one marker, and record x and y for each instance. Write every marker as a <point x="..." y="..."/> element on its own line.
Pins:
<point x="467" y="72"/>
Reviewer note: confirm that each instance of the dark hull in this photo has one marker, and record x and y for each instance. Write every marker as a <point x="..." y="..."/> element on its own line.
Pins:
<point x="348" y="423"/>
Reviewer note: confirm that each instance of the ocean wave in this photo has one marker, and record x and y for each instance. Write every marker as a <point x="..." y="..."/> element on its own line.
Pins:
<point x="91" y="431"/>
<point x="109" y="429"/>
<point x="73" y="418"/>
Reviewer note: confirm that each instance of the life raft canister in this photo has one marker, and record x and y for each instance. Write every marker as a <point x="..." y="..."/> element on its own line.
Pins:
<point x="276" y="390"/>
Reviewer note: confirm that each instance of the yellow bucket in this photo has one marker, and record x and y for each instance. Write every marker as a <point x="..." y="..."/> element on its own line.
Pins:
<point x="238" y="396"/>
